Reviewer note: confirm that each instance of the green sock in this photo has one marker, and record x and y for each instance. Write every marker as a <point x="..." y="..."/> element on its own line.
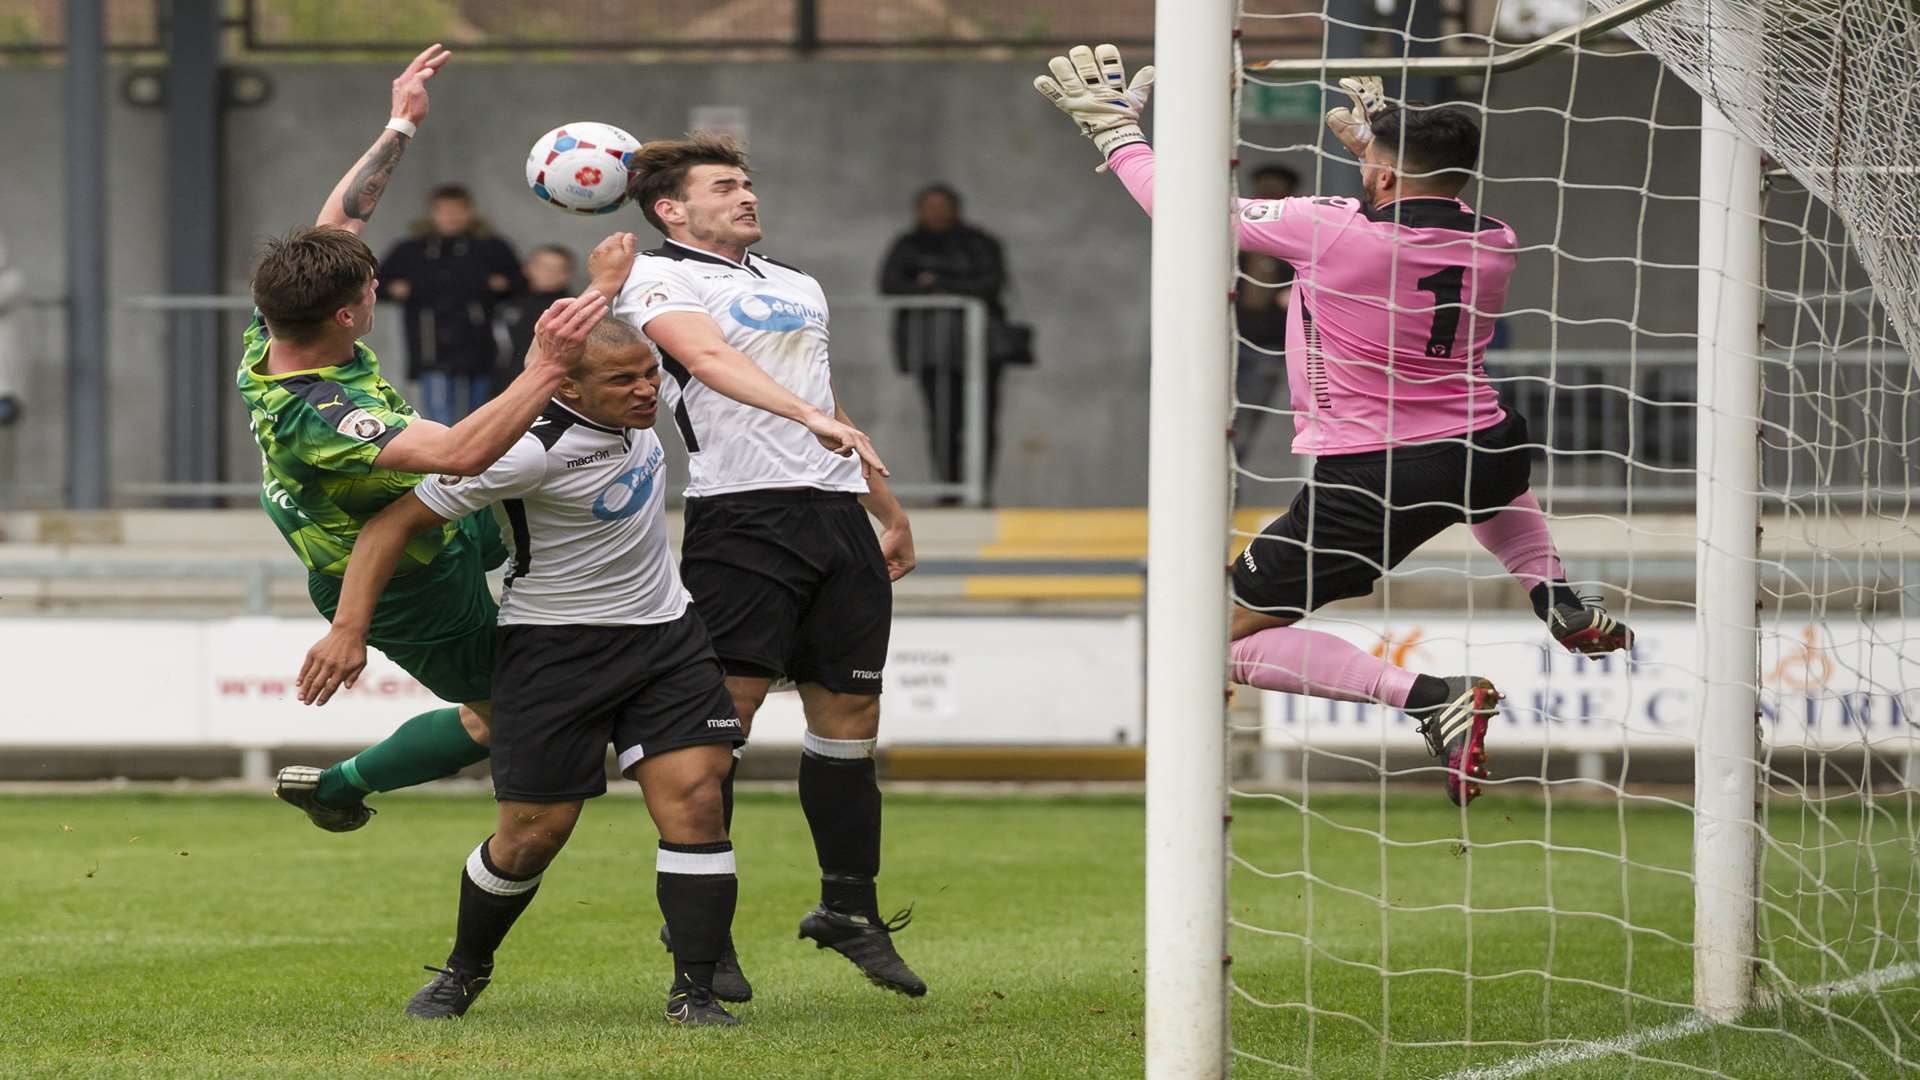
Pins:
<point x="427" y="747"/>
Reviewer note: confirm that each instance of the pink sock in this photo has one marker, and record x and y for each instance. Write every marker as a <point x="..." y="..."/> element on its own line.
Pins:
<point x="1518" y="537"/>
<point x="1296" y="661"/>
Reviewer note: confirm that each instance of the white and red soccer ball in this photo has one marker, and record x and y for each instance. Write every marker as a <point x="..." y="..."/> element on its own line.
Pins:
<point x="582" y="167"/>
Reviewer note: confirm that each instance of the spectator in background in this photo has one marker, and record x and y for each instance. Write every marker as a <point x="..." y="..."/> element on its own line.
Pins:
<point x="943" y="255"/>
<point x="1264" y="290"/>
<point x="549" y="277"/>
<point x="1273" y="181"/>
<point x="450" y="274"/>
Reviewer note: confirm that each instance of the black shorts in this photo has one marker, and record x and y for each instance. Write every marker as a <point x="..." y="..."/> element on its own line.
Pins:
<point x="561" y="693"/>
<point x="1340" y="535"/>
<point x="792" y="585"/>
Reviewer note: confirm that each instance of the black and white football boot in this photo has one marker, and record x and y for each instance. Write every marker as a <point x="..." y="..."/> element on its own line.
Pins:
<point x="299" y="786"/>
<point x="1456" y="732"/>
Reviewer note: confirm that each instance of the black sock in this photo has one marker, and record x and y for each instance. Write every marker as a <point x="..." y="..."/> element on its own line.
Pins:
<point x="1550" y="594"/>
<point x="697" y="889"/>
<point x="490" y="900"/>
<point x="841" y="800"/>
<point x="726" y="794"/>
<point x="1426" y="693"/>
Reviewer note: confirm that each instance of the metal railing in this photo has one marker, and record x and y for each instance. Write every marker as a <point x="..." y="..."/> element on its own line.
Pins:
<point x="881" y="402"/>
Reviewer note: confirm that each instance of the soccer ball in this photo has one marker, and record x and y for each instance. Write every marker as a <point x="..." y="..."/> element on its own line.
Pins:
<point x="582" y="167"/>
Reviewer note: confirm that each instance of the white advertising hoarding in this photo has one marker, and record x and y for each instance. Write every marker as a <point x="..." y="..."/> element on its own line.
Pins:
<point x="230" y="682"/>
<point x="1823" y="685"/>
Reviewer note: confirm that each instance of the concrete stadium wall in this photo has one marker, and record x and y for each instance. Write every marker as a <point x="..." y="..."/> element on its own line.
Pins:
<point x="839" y="147"/>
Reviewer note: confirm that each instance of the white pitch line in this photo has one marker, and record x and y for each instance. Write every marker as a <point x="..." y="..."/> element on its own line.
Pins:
<point x="1571" y="1053"/>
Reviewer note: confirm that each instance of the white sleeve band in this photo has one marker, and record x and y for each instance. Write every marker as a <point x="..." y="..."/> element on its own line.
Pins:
<point x="403" y="126"/>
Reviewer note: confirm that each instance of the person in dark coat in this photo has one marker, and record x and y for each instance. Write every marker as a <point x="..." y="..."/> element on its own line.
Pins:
<point x="943" y="255"/>
<point x="1261" y="297"/>
<point x="450" y="274"/>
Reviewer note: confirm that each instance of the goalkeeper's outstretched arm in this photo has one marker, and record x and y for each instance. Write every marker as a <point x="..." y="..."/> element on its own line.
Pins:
<point x="350" y="205"/>
<point x="1091" y="86"/>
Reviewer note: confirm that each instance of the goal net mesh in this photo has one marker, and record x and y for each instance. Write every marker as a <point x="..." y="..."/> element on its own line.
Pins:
<point x="1377" y="930"/>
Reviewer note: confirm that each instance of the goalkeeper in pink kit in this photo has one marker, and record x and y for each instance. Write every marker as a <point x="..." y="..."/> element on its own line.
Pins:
<point x="1393" y="306"/>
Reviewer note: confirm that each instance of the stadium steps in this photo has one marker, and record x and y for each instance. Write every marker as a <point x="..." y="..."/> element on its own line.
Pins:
<point x="219" y="562"/>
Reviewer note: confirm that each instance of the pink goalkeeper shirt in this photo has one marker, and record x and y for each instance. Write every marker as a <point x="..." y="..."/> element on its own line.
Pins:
<point x="1391" y="314"/>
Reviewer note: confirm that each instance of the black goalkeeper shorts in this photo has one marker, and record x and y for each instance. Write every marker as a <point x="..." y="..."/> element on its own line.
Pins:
<point x="1341" y="533"/>
<point x="561" y="693"/>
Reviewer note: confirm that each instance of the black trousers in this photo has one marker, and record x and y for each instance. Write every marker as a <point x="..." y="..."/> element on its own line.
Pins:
<point x="944" y="387"/>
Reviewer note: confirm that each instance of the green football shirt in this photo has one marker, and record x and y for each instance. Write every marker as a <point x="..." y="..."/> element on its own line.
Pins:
<point x="319" y="432"/>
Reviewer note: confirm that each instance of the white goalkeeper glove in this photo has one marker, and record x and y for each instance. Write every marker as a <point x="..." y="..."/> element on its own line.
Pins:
<point x="1354" y="127"/>
<point x="1091" y="86"/>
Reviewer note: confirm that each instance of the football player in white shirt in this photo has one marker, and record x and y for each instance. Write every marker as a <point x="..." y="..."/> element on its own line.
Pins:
<point x="779" y="554"/>
<point x="597" y="643"/>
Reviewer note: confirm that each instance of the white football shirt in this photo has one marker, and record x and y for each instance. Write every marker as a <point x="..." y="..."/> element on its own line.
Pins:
<point x="777" y="317"/>
<point x="585" y="513"/>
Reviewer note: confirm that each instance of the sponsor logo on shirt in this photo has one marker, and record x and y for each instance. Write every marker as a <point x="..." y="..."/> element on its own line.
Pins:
<point x="1262" y="210"/>
<point x="360" y="424"/>
<point x="774" y="314"/>
<point x="450" y="480"/>
<point x="630" y="491"/>
<point x="653" y="292"/>
<point x="597" y="455"/>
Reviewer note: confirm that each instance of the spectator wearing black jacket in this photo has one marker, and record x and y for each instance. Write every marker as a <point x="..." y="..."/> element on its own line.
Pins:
<point x="943" y="255"/>
<point x="450" y="274"/>
<point x="1262" y="296"/>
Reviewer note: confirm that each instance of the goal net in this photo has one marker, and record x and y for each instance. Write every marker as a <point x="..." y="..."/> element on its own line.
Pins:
<point x="1702" y="857"/>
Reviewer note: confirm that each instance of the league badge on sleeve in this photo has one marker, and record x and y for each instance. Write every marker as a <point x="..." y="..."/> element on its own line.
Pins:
<point x="361" y="424"/>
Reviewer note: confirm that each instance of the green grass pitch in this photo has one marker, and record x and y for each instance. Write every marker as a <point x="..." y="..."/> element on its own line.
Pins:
<point x="206" y="936"/>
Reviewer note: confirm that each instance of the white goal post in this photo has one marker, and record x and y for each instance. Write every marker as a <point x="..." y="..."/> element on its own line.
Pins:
<point x="1192" y="275"/>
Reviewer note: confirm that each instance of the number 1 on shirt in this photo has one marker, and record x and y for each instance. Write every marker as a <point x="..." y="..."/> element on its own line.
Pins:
<point x="1445" y="287"/>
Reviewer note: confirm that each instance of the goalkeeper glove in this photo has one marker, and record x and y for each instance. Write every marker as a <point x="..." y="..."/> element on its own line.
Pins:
<point x="1091" y="86"/>
<point x="1353" y="127"/>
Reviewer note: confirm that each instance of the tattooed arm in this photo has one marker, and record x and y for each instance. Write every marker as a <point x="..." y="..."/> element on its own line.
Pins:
<point x="352" y="200"/>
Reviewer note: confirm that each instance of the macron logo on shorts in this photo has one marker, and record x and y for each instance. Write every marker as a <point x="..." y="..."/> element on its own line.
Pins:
<point x="724" y="722"/>
<point x="858" y="674"/>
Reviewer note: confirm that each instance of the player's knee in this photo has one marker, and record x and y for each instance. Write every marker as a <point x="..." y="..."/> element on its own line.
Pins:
<point x="474" y="719"/>
<point x="530" y="835"/>
<point x="841" y="716"/>
<point x="697" y="812"/>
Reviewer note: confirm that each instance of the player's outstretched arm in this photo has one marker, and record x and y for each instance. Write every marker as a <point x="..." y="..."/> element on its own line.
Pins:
<point x="896" y="532"/>
<point x="1091" y="87"/>
<point x="470" y="446"/>
<point x="351" y="203"/>
<point x="338" y="659"/>
<point x="694" y="339"/>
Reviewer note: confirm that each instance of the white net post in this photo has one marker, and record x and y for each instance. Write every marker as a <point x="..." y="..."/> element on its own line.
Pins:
<point x="1726" y="630"/>
<point x="1187" y="525"/>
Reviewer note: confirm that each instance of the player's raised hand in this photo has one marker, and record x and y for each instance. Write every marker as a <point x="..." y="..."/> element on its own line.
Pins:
<point x="846" y="440"/>
<point x="560" y="335"/>
<point x="410" y="89"/>
<point x="1354" y="126"/>
<point x="334" y="661"/>
<point x="611" y="261"/>
<point x="1091" y="86"/>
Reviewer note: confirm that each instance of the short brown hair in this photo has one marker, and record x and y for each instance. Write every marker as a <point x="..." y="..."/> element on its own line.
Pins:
<point x="659" y="170"/>
<point x="302" y="278"/>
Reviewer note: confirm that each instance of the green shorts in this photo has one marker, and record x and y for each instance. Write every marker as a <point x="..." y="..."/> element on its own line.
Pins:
<point x="438" y="623"/>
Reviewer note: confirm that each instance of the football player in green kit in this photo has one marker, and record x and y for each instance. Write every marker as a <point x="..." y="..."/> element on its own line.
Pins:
<point x="338" y="443"/>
